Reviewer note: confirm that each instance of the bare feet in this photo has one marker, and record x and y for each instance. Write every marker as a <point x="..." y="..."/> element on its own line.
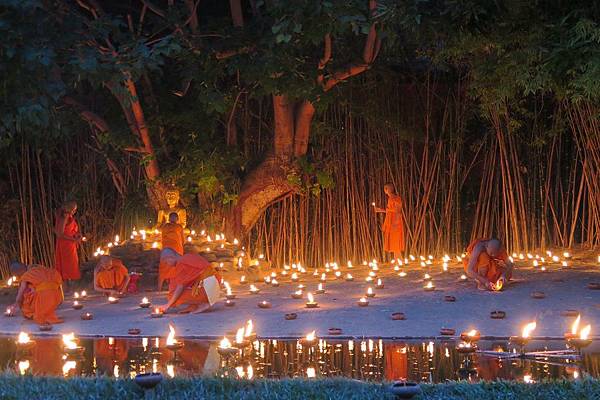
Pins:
<point x="189" y="309"/>
<point x="202" y="308"/>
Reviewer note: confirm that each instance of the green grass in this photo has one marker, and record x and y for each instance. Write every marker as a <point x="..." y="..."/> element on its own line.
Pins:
<point x="14" y="387"/>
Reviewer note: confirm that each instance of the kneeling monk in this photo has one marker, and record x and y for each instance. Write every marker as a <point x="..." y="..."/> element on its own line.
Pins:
<point x="110" y="276"/>
<point x="487" y="262"/>
<point x="40" y="292"/>
<point x="196" y="284"/>
<point x="166" y="266"/>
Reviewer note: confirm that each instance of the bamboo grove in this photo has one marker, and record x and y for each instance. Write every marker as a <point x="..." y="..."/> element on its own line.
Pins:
<point x="487" y="123"/>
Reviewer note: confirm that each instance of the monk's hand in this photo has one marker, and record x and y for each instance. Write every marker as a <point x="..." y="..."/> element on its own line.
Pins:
<point x="163" y="309"/>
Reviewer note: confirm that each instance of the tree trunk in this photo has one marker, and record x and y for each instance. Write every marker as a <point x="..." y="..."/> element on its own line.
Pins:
<point x="268" y="182"/>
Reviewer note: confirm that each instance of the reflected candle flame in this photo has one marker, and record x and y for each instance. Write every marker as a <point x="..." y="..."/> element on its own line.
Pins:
<point x="530" y="327"/>
<point x="23" y="338"/>
<point x="575" y="326"/>
<point x="585" y="332"/>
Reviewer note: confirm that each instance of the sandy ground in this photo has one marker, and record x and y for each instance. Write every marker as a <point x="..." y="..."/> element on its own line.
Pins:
<point x="426" y="312"/>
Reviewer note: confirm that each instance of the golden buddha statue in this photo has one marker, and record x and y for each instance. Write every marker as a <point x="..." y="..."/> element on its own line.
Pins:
<point x="172" y="197"/>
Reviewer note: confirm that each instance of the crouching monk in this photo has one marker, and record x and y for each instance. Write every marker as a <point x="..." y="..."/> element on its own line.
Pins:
<point x="487" y="262"/>
<point x="111" y="277"/>
<point x="167" y="266"/>
<point x="40" y="292"/>
<point x="195" y="284"/>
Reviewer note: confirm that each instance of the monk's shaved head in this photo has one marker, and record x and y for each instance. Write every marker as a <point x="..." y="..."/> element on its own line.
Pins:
<point x="389" y="188"/>
<point x="169" y="256"/>
<point x="105" y="260"/>
<point x="17" y="268"/>
<point x="173" y="217"/>
<point x="493" y="247"/>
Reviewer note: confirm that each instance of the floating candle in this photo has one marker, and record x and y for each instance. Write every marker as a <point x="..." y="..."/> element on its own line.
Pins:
<point x="311" y="303"/>
<point x="363" y="302"/>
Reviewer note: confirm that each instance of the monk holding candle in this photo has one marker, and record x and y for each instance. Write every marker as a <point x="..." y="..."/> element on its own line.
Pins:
<point x="487" y="262"/>
<point x="393" y="227"/>
<point x="195" y="284"/>
<point x="68" y="238"/>
<point x="111" y="277"/>
<point x="40" y="292"/>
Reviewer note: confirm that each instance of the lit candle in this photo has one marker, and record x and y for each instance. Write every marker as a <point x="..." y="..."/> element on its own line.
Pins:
<point x="297" y="294"/>
<point x="77" y="305"/>
<point x="370" y="292"/>
<point x="349" y="277"/>
<point x="363" y="302"/>
<point x="243" y="280"/>
<point x="311" y="303"/>
<point x="463" y="277"/>
<point x="83" y="294"/>
<point x="229" y="295"/>
<point x="145" y="303"/>
<point x="9" y="312"/>
<point x="254" y="289"/>
<point x="323" y="277"/>
<point x="320" y="289"/>
<point x="294" y="277"/>
<point x="113" y="300"/>
<point x="379" y="284"/>
<point x="274" y="282"/>
<point x="76" y="295"/>
<point x="264" y="304"/>
<point x="23" y="339"/>
<point x="87" y="316"/>
<point x="309" y="339"/>
<point x="429" y="287"/>
<point x="402" y="274"/>
<point x="156" y="313"/>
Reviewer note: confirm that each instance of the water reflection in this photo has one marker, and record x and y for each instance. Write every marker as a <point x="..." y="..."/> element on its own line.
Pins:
<point x="372" y="360"/>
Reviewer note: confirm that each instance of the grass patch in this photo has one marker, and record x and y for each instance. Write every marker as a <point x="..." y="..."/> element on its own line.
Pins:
<point x="49" y="388"/>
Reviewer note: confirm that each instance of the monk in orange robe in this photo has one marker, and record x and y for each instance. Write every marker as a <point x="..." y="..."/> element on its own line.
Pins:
<point x="110" y="276"/>
<point x="167" y="266"/>
<point x="195" y="284"/>
<point x="40" y="292"/>
<point x="393" y="227"/>
<point x="68" y="238"/>
<point x="172" y="234"/>
<point x="487" y="262"/>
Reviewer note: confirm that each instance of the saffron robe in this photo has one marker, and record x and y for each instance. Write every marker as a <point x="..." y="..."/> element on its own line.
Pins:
<point x="172" y="237"/>
<point x="198" y="277"/>
<point x="66" y="259"/>
<point x="494" y="269"/>
<point x="43" y="295"/>
<point x="113" y="276"/>
<point x="393" y="228"/>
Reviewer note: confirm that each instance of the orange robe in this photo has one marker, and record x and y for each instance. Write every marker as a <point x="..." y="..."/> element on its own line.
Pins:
<point x="66" y="259"/>
<point x="172" y="237"/>
<point x="113" y="276"/>
<point x="194" y="272"/>
<point x="108" y="355"/>
<point x="43" y="296"/>
<point x="494" y="269"/>
<point x="393" y="229"/>
<point x="396" y="361"/>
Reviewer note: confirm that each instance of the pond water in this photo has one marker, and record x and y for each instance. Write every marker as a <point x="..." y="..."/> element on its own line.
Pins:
<point x="373" y="360"/>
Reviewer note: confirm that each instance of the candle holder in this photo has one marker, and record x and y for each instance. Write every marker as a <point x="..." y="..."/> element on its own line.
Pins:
<point x="447" y="332"/>
<point x="320" y="291"/>
<point x="9" y="312"/>
<point x="230" y="296"/>
<point x="335" y="331"/>
<point x="497" y="314"/>
<point x="264" y="304"/>
<point x="175" y="346"/>
<point x="593" y="286"/>
<point x="429" y="287"/>
<point x="349" y="278"/>
<point x="297" y="294"/>
<point x="156" y="313"/>
<point x="308" y="341"/>
<point x="113" y="300"/>
<point x="398" y="316"/>
<point x="470" y="337"/>
<point x="45" y="327"/>
<point x="291" y="316"/>
<point x="570" y="313"/>
<point x="77" y="305"/>
<point x="274" y="283"/>
<point x="145" y="304"/>
<point x="134" y="331"/>
<point x="450" y="299"/>
<point x="538" y="295"/>
<point x="370" y="293"/>
<point x="578" y="343"/>
<point x="87" y="316"/>
<point x="254" y="290"/>
<point x="229" y="303"/>
<point x="363" y="302"/>
<point x="148" y="381"/>
<point x="379" y="285"/>
<point x="312" y="304"/>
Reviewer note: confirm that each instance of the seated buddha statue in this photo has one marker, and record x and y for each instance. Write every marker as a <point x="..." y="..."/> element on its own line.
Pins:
<point x="172" y="197"/>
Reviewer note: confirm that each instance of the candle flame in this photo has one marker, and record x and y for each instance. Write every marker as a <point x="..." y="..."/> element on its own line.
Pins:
<point x="472" y="332"/>
<point x="69" y="341"/>
<point x="310" y="372"/>
<point x="320" y="286"/>
<point x="10" y="281"/>
<point x="310" y="297"/>
<point x="23" y="367"/>
<point x="171" y="337"/>
<point x="429" y="285"/>
<point x="239" y="335"/>
<point x="530" y="327"/>
<point x="111" y="299"/>
<point x="310" y="336"/>
<point x="249" y="328"/>
<point x="225" y="343"/>
<point x="145" y="300"/>
<point x="68" y="366"/>
<point x="369" y="290"/>
<point x="23" y="338"/>
<point x="76" y="295"/>
<point x="363" y="300"/>
<point x="575" y="326"/>
<point x="585" y="332"/>
<point x="155" y="245"/>
<point x="83" y="293"/>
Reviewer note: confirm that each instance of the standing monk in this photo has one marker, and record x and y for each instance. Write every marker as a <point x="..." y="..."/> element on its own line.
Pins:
<point x="110" y="276"/>
<point x="66" y="260"/>
<point x="172" y="234"/>
<point x="487" y="262"/>
<point x="393" y="228"/>
<point x="40" y="292"/>
<point x="196" y="284"/>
